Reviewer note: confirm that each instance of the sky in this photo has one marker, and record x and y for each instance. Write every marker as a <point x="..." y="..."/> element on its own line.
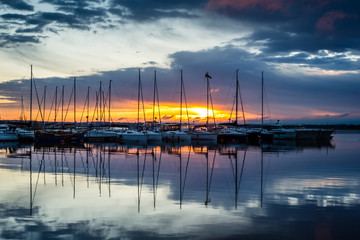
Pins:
<point x="309" y="51"/>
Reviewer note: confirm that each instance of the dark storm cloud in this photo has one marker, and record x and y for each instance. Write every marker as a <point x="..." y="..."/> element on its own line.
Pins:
<point x="153" y="9"/>
<point x="18" y="5"/>
<point x="289" y="25"/>
<point x="284" y="25"/>
<point x="70" y="14"/>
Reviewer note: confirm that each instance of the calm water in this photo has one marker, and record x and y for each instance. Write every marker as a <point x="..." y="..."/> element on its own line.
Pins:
<point x="110" y="191"/>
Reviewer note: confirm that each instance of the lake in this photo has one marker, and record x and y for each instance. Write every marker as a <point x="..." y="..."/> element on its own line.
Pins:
<point x="285" y="190"/>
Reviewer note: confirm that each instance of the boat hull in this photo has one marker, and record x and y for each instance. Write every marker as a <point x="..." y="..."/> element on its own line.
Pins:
<point x="171" y="137"/>
<point x="154" y="137"/>
<point x="232" y="138"/>
<point x="284" y="135"/>
<point x="9" y="137"/>
<point x="306" y="134"/>
<point x="203" y="137"/>
<point x="51" y="137"/>
<point x="133" y="138"/>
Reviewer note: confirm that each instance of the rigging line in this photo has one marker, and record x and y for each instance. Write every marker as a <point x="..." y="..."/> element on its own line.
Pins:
<point x="267" y="173"/>
<point x="267" y="103"/>
<point x="142" y="174"/>
<point x="37" y="181"/>
<point x="142" y="100"/>
<point x="37" y="114"/>
<point x="232" y="109"/>
<point x="37" y="97"/>
<point x="232" y="166"/>
<point x="186" y="106"/>
<point x="52" y="104"/>
<point x="212" y="106"/>
<point x="212" y="170"/>
<point x="104" y="106"/>
<point x="230" y="88"/>
<point x="242" y="169"/>
<point x="86" y="100"/>
<point x="242" y="105"/>
<point x="186" y="170"/>
<point x="158" y="172"/>
<point x="158" y="102"/>
<point x="72" y="92"/>
<point x="96" y="107"/>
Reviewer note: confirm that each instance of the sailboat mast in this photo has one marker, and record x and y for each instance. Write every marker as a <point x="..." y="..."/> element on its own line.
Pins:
<point x="31" y="90"/>
<point x="88" y="107"/>
<point x="44" y="107"/>
<point x="207" y="101"/>
<point x="158" y="102"/>
<point x="110" y="101"/>
<point x="262" y="99"/>
<point x="75" y="101"/>
<point x="237" y="97"/>
<point x="181" y="95"/>
<point x="138" y="113"/>
<point x="154" y="96"/>
<point x="100" y="100"/>
<point x="62" y="104"/>
<point x="56" y="98"/>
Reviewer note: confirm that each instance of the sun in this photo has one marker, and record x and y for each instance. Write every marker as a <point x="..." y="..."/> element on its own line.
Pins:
<point x="199" y="112"/>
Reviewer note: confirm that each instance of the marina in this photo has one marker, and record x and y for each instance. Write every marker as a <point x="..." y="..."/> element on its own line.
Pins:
<point x="180" y="120"/>
<point x="197" y="189"/>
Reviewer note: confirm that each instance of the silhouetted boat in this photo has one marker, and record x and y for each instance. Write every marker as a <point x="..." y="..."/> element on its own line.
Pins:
<point x="7" y="134"/>
<point x="58" y="136"/>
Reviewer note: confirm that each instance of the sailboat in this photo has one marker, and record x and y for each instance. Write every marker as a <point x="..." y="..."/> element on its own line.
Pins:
<point x="58" y="136"/>
<point x="277" y="130"/>
<point x="237" y="134"/>
<point x="135" y="135"/>
<point x="153" y="136"/>
<point x="265" y="135"/>
<point x="6" y="134"/>
<point x="197" y="135"/>
<point x="177" y="135"/>
<point x="100" y="134"/>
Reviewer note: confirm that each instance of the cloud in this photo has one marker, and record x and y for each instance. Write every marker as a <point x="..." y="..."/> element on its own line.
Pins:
<point x="167" y="117"/>
<point x="18" y="5"/>
<point x="327" y="21"/>
<point x="13" y="40"/>
<point x="155" y="9"/>
<point x="282" y="27"/>
<point x="296" y="94"/>
<point x="231" y="5"/>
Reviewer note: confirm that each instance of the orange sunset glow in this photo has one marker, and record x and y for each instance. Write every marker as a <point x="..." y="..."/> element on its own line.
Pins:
<point x="128" y="112"/>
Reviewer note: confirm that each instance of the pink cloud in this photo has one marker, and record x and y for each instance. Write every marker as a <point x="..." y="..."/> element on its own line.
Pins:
<point x="273" y="5"/>
<point x="327" y="21"/>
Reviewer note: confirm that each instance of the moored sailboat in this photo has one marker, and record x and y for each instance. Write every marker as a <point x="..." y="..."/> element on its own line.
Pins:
<point x="177" y="135"/>
<point x="199" y="135"/>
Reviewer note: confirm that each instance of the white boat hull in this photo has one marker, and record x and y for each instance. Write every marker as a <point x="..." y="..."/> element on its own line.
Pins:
<point x="173" y="137"/>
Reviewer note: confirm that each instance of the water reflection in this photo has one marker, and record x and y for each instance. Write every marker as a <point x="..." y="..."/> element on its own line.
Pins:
<point x="164" y="190"/>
